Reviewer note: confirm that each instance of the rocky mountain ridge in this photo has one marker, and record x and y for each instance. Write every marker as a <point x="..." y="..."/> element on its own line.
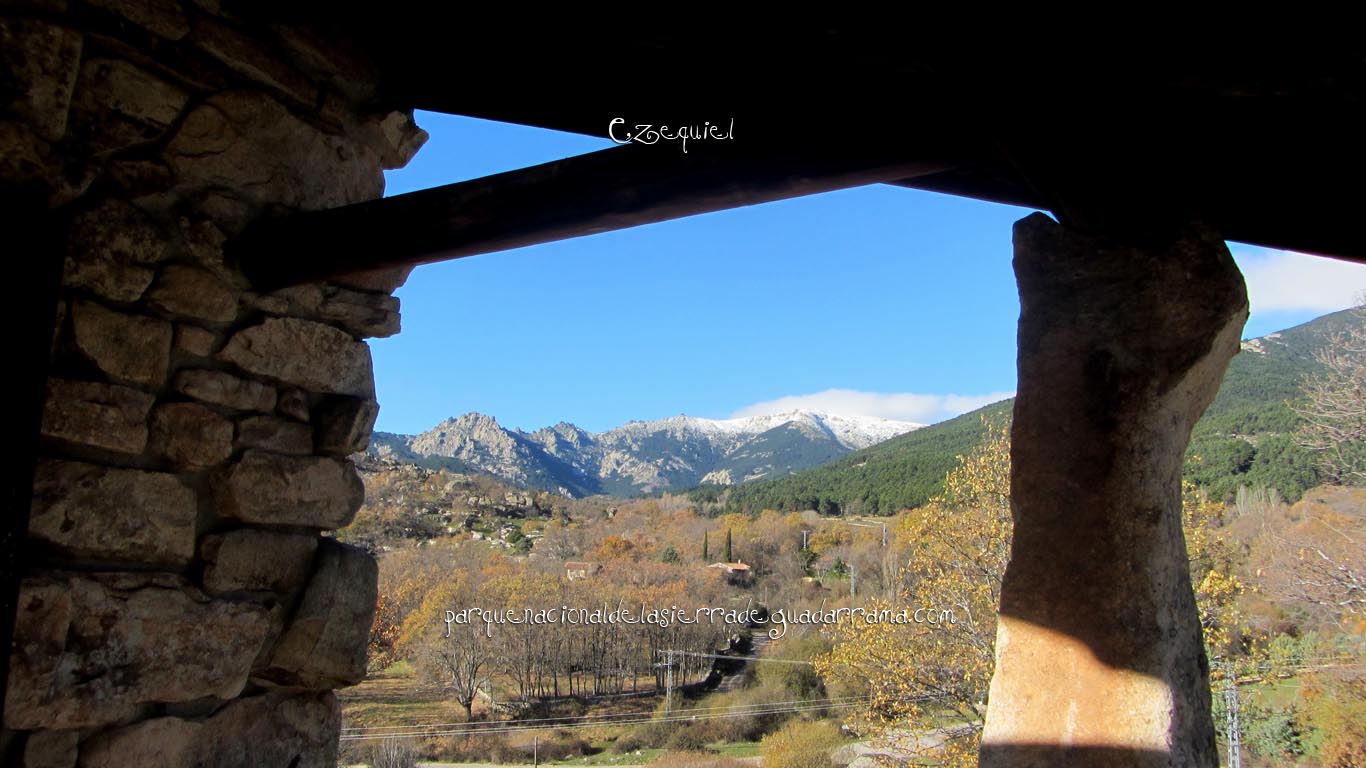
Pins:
<point x="640" y="456"/>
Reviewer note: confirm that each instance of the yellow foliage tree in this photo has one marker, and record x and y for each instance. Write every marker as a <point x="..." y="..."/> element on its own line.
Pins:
<point x="933" y="677"/>
<point x="1212" y="563"/>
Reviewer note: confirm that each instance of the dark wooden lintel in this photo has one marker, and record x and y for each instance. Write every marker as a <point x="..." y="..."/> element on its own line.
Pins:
<point x="608" y="190"/>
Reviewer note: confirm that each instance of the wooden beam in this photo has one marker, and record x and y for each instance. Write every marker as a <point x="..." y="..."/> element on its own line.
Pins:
<point x="612" y="189"/>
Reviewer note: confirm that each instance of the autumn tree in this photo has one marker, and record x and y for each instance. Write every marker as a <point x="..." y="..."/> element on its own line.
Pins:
<point x="1212" y="565"/>
<point x="452" y="657"/>
<point x="918" y="674"/>
<point x="1335" y="416"/>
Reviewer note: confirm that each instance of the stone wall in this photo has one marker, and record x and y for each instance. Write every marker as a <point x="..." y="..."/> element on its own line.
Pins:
<point x="184" y="605"/>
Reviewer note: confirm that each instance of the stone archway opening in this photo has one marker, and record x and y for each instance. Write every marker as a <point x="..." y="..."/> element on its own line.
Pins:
<point x="202" y="175"/>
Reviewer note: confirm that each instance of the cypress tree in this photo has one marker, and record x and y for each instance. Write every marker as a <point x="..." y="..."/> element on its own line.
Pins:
<point x="704" y="545"/>
<point x="729" y="556"/>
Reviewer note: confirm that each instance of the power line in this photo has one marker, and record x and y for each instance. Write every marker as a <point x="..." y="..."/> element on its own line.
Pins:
<point x="681" y="716"/>
<point x="609" y="718"/>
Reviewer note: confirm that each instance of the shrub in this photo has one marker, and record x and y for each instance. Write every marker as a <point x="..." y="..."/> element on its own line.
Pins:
<point x="393" y="753"/>
<point x="628" y="742"/>
<point x="549" y="746"/>
<point x="689" y="738"/>
<point x="801" y="744"/>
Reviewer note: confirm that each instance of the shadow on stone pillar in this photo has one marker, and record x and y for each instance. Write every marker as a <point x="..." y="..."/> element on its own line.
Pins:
<point x="1099" y="658"/>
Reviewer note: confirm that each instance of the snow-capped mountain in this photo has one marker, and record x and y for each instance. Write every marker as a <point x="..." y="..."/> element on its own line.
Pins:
<point x="641" y="456"/>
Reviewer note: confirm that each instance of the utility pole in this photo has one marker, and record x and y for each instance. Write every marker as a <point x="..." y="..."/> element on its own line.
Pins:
<point x="536" y="749"/>
<point x="669" y="683"/>
<point x="1235" y="737"/>
<point x="853" y="579"/>
<point x="804" y="532"/>
<point x="884" y="534"/>
<point x="668" y="679"/>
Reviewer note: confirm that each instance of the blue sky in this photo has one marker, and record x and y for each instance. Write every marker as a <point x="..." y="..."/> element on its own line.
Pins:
<point x="878" y="300"/>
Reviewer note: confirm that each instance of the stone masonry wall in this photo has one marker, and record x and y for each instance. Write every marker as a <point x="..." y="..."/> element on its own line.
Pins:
<point x="185" y="606"/>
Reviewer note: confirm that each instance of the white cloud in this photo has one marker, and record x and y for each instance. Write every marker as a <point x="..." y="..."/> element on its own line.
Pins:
<point x="902" y="406"/>
<point x="1281" y="280"/>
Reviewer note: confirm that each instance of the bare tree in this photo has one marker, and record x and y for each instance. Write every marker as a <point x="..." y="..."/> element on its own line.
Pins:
<point x="456" y="663"/>
<point x="1335" y="416"/>
<point x="1322" y="565"/>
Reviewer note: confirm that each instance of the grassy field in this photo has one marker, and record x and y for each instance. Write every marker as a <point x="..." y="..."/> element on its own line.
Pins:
<point x="393" y="697"/>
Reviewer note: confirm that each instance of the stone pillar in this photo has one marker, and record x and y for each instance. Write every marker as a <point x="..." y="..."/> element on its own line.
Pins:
<point x="1099" y="659"/>
<point x="181" y="603"/>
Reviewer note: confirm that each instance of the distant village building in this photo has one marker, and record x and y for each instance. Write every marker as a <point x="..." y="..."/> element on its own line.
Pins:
<point x="735" y="573"/>
<point x="580" y="570"/>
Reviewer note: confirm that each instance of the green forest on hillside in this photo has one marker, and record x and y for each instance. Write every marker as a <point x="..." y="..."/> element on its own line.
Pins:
<point x="1244" y="439"/>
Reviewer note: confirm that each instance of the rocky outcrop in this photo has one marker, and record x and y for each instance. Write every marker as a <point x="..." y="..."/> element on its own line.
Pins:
<point x="645" y="456"/>
<point x="1099" y="644"/>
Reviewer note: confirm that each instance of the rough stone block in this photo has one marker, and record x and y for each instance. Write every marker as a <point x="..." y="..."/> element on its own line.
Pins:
<point x="204" y="241"/>
<point x="117" y="105"/>
<point x="325" y="643"/>
<point x="43" y="60"/>
<point x="110" y="249"/>
<point x="294" y="404"/>
<point x="113" y="514"/>
<point x="161" y="17"/>
<point x="361" y="314"/>
<point x="189" y="435"/>
<point x="51" y="749"/>
<point x="195" y="341"/>
<point x="257" y="560"/>
<point x="268" y="304"/>
<point x="104" y="416"/>
<point x="247" y="56"/>
<point x="275" y="435"/>
<point x="130" y="348"/>
<point x="225" y="389"/>
<point x="383" y="280"/>
<point x="271" y="489"/>
<point x="300" y="300"/>
<point x="306" y="354"/>
<point x="93" y="649"/>
<point x="251" y="144"/>
<point x="275" y="729"/>
<point x="344" y="424"/>
<point x="195" y="293"/>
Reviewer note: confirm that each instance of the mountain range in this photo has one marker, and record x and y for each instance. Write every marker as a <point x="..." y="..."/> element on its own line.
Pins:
<point x="639" y="457"/>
